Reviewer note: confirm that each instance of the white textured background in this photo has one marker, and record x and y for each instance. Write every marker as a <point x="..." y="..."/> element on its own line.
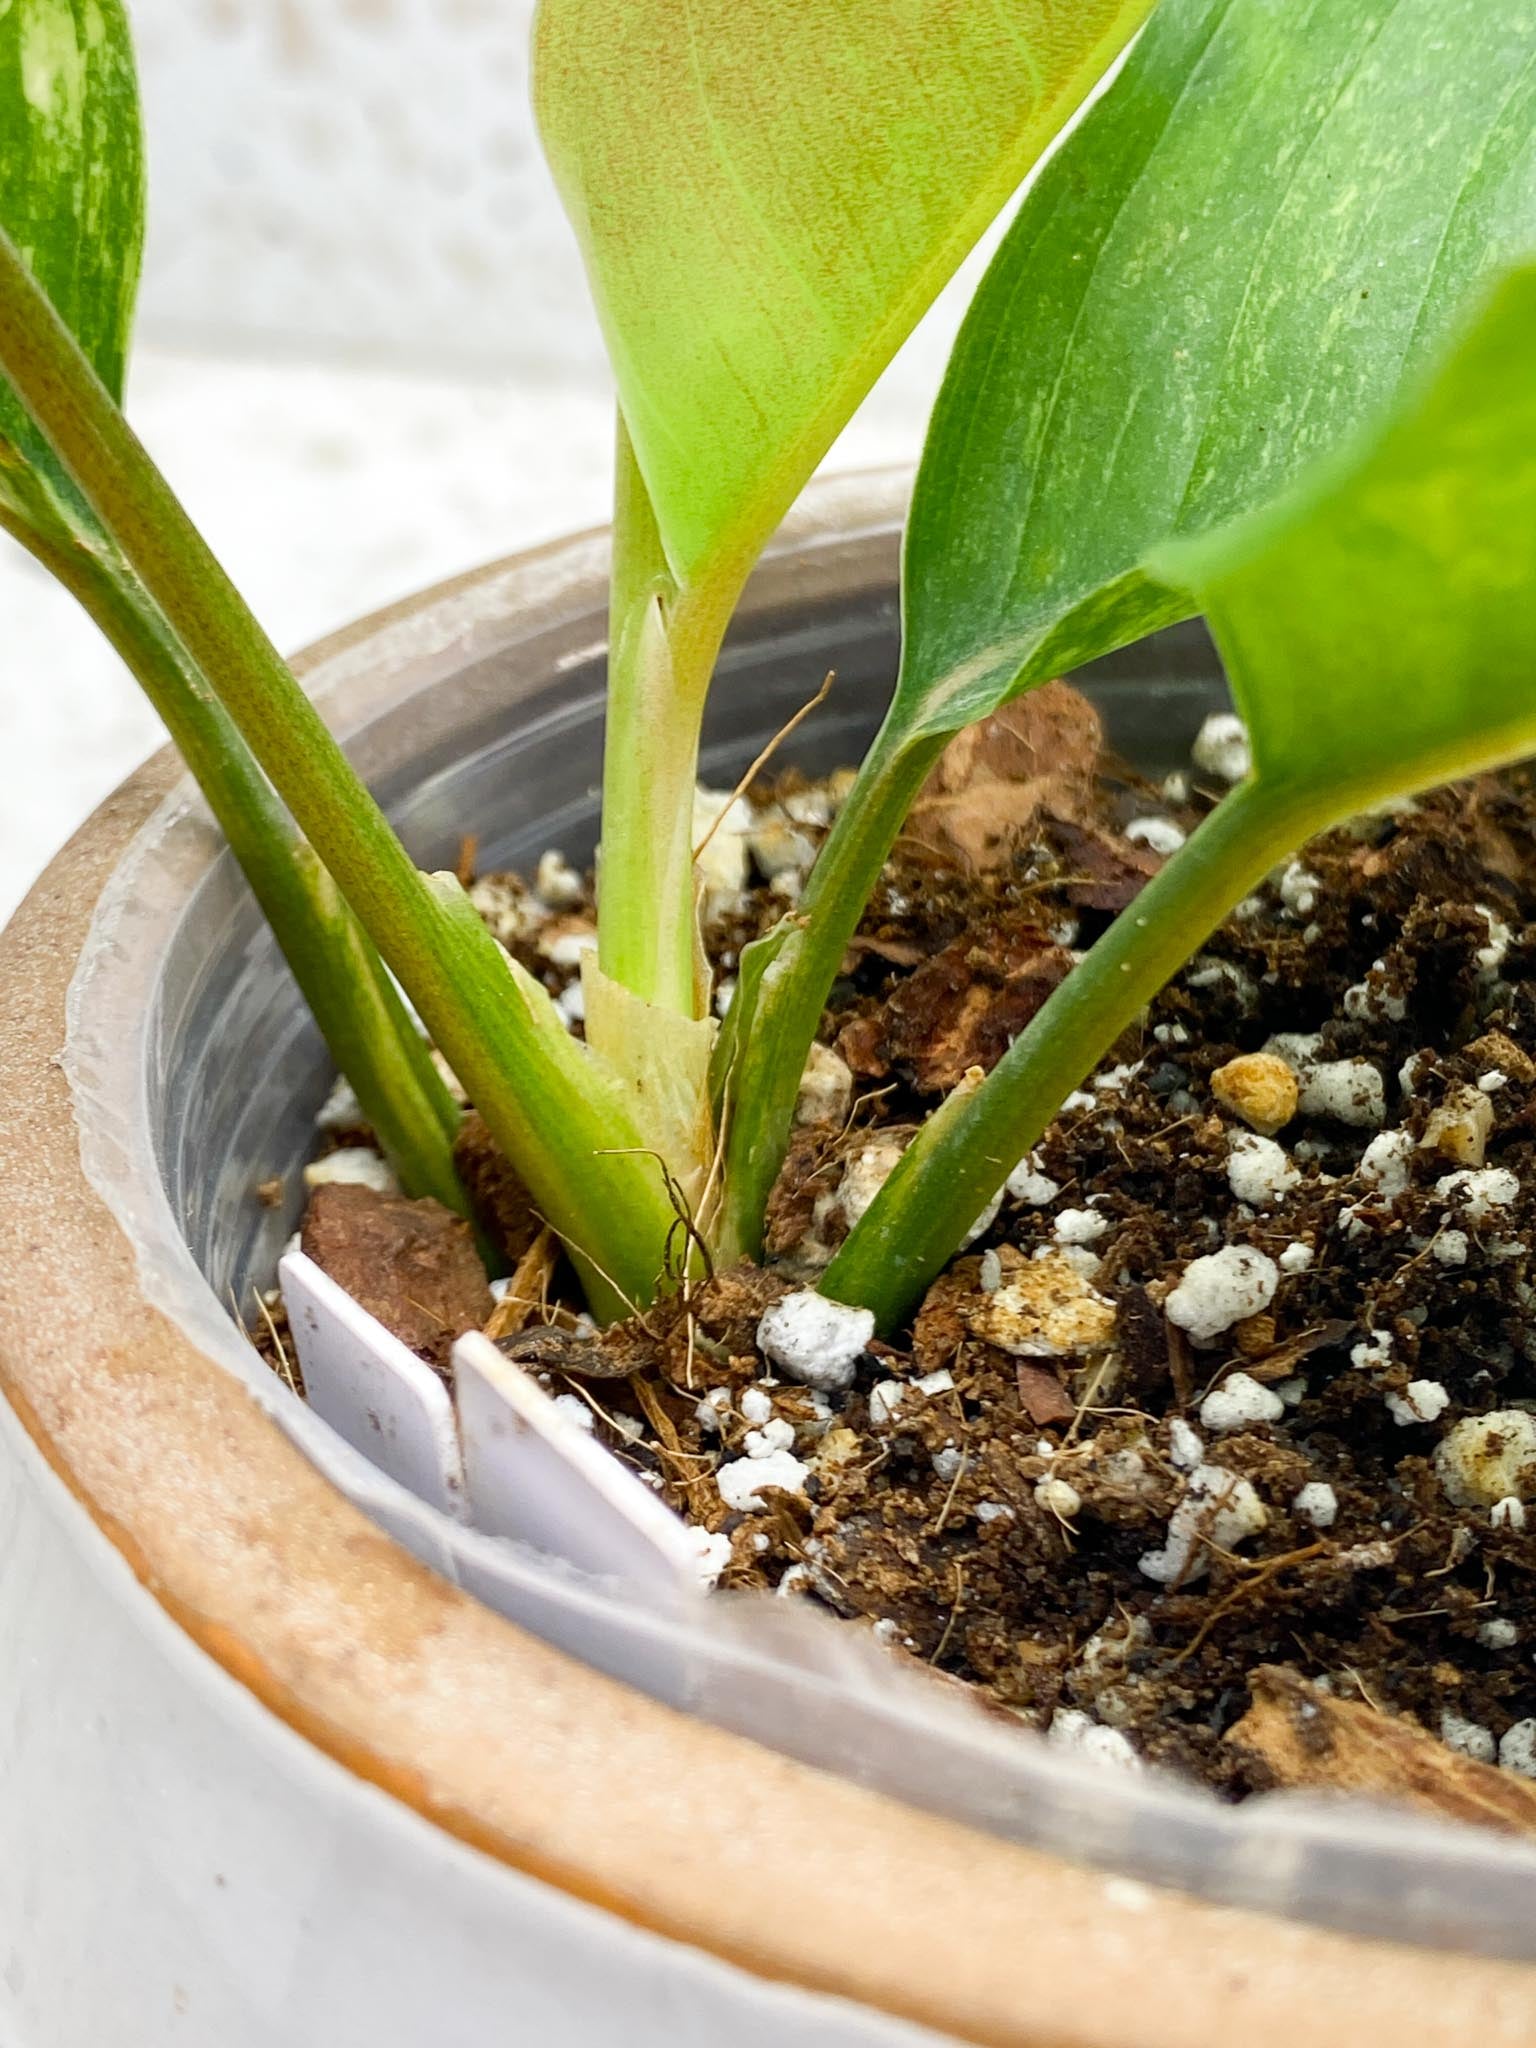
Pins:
<point x="365" y="354"/>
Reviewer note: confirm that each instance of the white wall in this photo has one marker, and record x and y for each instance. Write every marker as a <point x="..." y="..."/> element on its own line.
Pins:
<point x="356" y="173"/>
<point x="365" y="353"/>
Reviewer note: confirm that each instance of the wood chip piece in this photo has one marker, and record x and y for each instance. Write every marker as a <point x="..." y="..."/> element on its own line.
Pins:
<point x="1045" y="1400"/>
<point x="994" y="779"/>
<point x="527" y="1289"/>
<point x="1307" y="1738"/>
<point x="1281" y="1360"/>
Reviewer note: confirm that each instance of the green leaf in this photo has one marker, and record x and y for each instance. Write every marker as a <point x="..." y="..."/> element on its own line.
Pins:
<point x="1379" y="624"/>
<point x="1273" y="216"/>
<point x="768" y="196"/>
<point x="72" y="199"/>
<point x="1379" y="628"/>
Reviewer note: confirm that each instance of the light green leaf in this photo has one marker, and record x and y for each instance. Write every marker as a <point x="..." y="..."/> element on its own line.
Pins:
<point x="769" y="193"/>
<point x="1379" y="624"/>
<point x="72" y="200"/>
<point x="1272" y="217"/>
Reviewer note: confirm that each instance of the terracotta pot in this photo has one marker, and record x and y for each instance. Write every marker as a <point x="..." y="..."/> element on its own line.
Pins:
<point x="266" y="1778"/>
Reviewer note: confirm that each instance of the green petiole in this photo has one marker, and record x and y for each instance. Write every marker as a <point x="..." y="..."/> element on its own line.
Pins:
<point x="957" y="1163"/>
<point x="355" y="1004"/>
<point x="786" y="977"/>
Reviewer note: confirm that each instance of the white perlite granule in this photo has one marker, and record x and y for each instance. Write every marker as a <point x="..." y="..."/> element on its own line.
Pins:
<point x="1222" y="1289"/>
<point x="711" y="1555"/>
<point x="1478" y="1192"/>
<point x="1260" y="1172"/>
<point x="1369" y="1003"/>
<point x="984" y="1221"/>
<point x="1161" y="834"/>
<point x="865" y="1174"/>
<point x="711" y="1408"/>
<point x="1420" y="1401"/>
<point x="1238" y="1403"/>
<point x="353" y="1166"/>
<point x="1491" y="957"/>
<point x="1299" y="1049"/>
<point x="721" y="822"/>
<point x="777" y="1434"/>
<point x="1058" y="1497"/>
<point x="1376" y="1351"/>
<point x="1296" y="1257"/>
<point x="884" y="1401"/>
<point x="1469" y="1738"/>
<point x="1080" y="1226"/>
<point x="1218" y="1507"/>
<point x="341" y="1110"/>
<point x="1221" y="747"/>
<point x="1185" y="1447"/>
<point x="1348" y="1091"/>
<point x="826" y="1088"/>
<point x="1073" y="1730"/>
<point x="1517" y="1749"/>
<point x="1384" y="1163"/>
<point x="740" y="1479"/>
<point x="1316" y="1503"/>
<point x="1029" y="1185"/>
<point x="815" y="1340"/>
<point x="575" y="1410"/>
<point x="1297" y="889"/>
<point x="556" y="882"/>
<point x="1485" y="1460"/>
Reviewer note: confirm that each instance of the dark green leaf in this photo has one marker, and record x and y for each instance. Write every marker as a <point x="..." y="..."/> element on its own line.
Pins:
<point x="1379" y="624"/>
<point x="1271" y="218"/>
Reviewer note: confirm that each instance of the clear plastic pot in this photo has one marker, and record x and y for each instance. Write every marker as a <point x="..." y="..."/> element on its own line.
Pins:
<point x="196" y="1076"/>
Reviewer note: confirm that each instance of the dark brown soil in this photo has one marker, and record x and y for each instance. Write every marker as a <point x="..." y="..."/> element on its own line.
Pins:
<point x="991" y="1513"/>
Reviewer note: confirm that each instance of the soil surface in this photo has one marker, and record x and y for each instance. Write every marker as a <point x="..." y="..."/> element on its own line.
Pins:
<point x="1105" y="1477"/>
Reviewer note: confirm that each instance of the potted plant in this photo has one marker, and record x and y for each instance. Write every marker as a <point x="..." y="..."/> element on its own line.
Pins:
<point x="1201" y="386"/>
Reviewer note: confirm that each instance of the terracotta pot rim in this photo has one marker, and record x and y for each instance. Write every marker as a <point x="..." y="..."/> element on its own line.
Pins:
<point x="542" y="1763"/>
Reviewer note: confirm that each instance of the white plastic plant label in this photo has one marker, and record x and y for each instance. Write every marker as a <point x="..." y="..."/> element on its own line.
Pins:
<point x="372" y="1389"/>
<point x="534" y="1473"/>
<point x="500" y="1454"/>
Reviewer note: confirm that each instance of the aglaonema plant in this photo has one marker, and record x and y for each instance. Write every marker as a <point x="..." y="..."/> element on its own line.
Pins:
<point x="1252" y="346"/>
